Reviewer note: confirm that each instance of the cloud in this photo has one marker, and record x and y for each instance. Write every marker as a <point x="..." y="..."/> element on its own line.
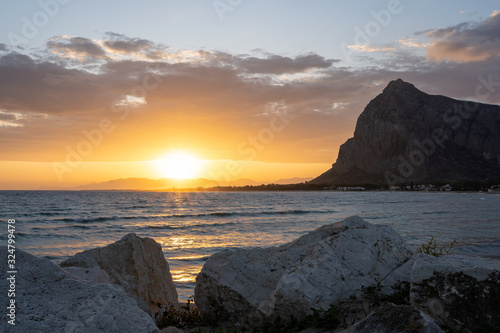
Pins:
<point x="3" y="47"/>
<point x="369" y="48"/>
<point x="194" y="95"/>
<point x="467" y="41"/>
<point x="211" y="93"/>
<point x="7" y="116"/>
<point x="78" y="48"/>
<point x="412" y="42"/>
<point x="467" y="12"/>
<point x="118" y="47"/>
<point x="276" y="64"/>
<point x="15" y="119"/>
<point x="121" y="44"/>
<point x="9" y="119"/>
<point x="28" y="85"/>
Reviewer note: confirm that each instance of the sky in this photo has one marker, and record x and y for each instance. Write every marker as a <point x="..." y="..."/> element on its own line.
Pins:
<point x="98" y="90"/>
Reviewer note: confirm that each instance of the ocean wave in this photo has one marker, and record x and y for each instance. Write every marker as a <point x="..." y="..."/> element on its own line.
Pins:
<point x="185" y="216"/>
<point x="441" y="212"/>
<point x="189" y="226"/>
<point x="139" y="207"/>
<point x="99" y="219"/>
<point x="49" y="213"/>
<point x="190" y="259"/>
<point x="233" y="214"/>
<point x="87" y="219"/>
<point x="84" y="227"/>
<point x="50" y="235"/>
<point x="65" y="227"/>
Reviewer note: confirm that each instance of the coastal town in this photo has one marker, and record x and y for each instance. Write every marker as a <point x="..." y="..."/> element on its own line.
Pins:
<point x="423" y="187"/>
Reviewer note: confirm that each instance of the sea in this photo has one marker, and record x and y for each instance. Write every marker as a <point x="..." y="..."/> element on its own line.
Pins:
<point x="191" y="226"/>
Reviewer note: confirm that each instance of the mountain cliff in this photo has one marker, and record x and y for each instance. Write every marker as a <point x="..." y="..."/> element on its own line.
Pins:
<point x="405" y="135"/>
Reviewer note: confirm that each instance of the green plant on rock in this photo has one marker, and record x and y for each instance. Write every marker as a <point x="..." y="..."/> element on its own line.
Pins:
<point x="319" y="319"/>
<point x="433" y="249"/>
<point x="183" y="316"/>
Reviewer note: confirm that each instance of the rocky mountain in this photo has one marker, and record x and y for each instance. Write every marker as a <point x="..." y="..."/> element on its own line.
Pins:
<point x="405" y="135"/>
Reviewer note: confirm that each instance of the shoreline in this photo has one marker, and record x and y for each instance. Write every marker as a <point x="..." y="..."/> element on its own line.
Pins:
<point x="298" y="290"/>
<point x="238" y="190"/>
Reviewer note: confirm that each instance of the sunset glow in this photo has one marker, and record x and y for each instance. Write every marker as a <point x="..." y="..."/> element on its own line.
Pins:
<point x="229" y="164"/>
<point x="84" y="104"/>
<point x="179" y="165"/>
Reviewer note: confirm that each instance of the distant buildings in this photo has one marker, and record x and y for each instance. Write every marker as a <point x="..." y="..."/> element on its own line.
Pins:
<point x="344" y="188"/>
<point x="494" y="188"/>
<point x="446" y="188"/>
<point x="421" y="187"/>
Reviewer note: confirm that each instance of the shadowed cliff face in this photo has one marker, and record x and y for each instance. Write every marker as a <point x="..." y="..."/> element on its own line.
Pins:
<point x="406" y="135"/>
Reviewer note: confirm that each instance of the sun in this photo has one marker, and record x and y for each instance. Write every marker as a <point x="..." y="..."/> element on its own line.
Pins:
<point x="179" y="165"/>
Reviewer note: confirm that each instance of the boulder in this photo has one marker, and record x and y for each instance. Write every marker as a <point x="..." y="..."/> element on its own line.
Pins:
<point x="323" y="267"/>
<point x="136" y="264"/>
<point x="461" y="293"/>
<point x="48" y="300"/>
<point x="171" y="329"/>
<point x="395" y="319"/>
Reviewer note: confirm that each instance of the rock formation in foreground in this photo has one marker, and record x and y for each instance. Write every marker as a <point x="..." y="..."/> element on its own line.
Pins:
<point x="136" y="264"/>
<point x="406" y="135"/>
<point x="321" y="268"/>
<point x="392" y="318"/>
<point x="458" y="292"/>
<point x="354" y="266"/>
<point x="358" y="268"/>
<point x="48" y="300"/>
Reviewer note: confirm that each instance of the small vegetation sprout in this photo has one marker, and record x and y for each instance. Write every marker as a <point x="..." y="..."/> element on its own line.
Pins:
<point x="433" y="249"/>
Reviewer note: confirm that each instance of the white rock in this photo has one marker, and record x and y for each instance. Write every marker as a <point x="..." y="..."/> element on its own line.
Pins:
<point x="402" y="274"/>
<point x="321" y="268"/>
<point x="171" y="329"/>
<point x="459" y="292"/>
<point x="136" y="264"/>
<point x="391" y="318"/>
<point x="478" y="268"/>
<point x="47" y="300"/>
<point x="94" y="274"/>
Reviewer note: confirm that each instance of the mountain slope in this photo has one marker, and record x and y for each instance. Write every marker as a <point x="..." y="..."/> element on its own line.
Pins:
<point x="406" y="135"/>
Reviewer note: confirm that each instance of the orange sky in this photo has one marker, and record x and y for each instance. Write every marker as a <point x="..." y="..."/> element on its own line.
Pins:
<point x="41" y="175"/>
<point x="70" y="126"/>
<point x="79" y="110"/>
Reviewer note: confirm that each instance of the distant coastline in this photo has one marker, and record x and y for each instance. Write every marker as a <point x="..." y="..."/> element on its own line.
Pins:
<point x="469" y="186"/>
<point x="489" y="187"/>
<point x="481" y="187"/>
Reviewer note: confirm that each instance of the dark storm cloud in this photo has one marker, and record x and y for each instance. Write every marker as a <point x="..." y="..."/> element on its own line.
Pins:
<point x="76" y="47"/>
<point x="467" y="41"/>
